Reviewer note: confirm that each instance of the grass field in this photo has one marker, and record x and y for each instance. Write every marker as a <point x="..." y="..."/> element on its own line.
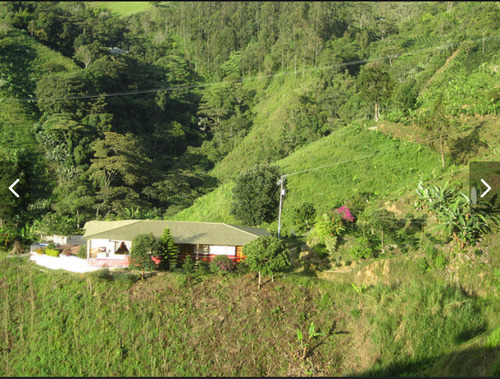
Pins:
<point x="127" y="8"/>
<point x="62" y="324"/>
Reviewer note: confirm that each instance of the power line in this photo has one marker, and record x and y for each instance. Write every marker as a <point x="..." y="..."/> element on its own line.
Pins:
<point x="242" y="80"/>
<point x="432" y="137"/>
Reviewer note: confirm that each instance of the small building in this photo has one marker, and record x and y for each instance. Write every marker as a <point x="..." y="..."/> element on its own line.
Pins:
<point x="109" y="242"/>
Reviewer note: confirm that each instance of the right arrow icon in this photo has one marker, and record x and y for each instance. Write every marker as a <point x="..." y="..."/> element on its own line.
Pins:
<point x="487" y="186"/>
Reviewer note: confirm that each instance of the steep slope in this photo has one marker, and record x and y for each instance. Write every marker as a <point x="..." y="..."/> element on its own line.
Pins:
<point x="277" y="96"/>
<point x="329" y="171"/>
<point x="23" y="61"/>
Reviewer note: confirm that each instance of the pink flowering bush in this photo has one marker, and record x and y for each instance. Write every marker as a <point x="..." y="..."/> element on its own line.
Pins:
<point x="345" y="213"/>
<point x="222" y="264"/>
<point x="330" y="227"/>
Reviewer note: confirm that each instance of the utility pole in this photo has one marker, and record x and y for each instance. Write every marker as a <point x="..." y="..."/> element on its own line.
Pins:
<point x="282" y="192"/>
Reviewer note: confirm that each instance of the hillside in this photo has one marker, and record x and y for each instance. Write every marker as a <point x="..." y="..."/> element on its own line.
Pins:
<point x="349" y="161"/>
<point x="192" y="111"/>
<point x="185" y="325"/>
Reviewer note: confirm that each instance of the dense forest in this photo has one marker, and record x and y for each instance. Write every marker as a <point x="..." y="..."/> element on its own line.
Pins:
<point x="113" y="117"/>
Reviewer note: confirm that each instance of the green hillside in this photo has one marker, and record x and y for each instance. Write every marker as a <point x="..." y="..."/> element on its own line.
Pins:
<point x="351" y="160"/>
<point x="127" y="8"/>
<point x="23" y="62"/>
<point x="158" y="110"/>
<point x="174" y="324"/>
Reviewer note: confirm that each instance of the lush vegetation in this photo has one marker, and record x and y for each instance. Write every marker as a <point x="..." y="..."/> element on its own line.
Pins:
<point x="368" y="112"/>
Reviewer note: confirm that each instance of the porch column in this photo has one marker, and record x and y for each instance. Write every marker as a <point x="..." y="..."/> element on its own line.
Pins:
<point x="88" y="248"/>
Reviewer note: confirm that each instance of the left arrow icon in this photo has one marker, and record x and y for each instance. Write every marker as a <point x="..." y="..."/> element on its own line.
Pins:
<point x="12" y="186"/>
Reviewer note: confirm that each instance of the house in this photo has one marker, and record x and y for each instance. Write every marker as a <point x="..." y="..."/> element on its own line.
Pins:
<point x="109" y="242"/>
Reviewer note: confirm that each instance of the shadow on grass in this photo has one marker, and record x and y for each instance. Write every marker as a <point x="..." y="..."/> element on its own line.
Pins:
<point x="479" y="361"/>
<point x="330" y="333"/>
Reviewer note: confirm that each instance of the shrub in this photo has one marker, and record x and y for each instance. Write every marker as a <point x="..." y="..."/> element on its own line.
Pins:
<point x="266" y="255"/>
<point x="82" y="252"/>
<point x="440" y="262"/>
<point x="222" y="264"/>
<point x="422" y="265"/>
<point x="17" y="248"/>
<point x="202" y="268"/>
<point x="362" y="248"/>
<point x="126" y="278"/>
<point x="189" y="265"/>
<point x="242" y="268"/>
<point x="52" y="252"/>
<point x="7" y="237"/>
<point x="143" y="247"/>
<point x="103" y="274"/>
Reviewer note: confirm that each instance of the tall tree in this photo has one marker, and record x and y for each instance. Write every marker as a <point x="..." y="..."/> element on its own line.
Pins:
<point x="375" y="84"/>
<point x="118" y="169"/>
<point x="438" y="123"/>
<point x="256" y="196"/>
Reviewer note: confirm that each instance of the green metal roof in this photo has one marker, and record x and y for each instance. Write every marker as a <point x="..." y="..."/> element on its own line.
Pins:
<point x="203" y="233"/>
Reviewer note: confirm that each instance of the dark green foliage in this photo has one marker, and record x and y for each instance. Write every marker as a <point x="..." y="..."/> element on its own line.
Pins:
<point x="188" y="266"/>
<point x="376" y="85"/>
<point x="303" y="217"/>
<point x="103" y="274"/>
<point x="202" y="268"/>
<point x="168" y="251"/>
<point x="422" y="265"/>
<point x="222" y="264"/>
<point x="256" y="195"/>
<point x="144" y="246"/>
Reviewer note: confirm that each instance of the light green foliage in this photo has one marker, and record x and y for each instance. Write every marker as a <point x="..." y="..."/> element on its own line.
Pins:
<point x="52" y="252"/>
<point x="266" y="255"/>
<point x="363" y="248"/>
<point x="457" y="217"/>
<point x="494" y="338"/>
<point x="326" y="231"/>
<point x="305" y="343"/>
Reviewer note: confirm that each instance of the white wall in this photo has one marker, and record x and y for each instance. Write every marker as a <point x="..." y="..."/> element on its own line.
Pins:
<point x="222" y="250"/>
